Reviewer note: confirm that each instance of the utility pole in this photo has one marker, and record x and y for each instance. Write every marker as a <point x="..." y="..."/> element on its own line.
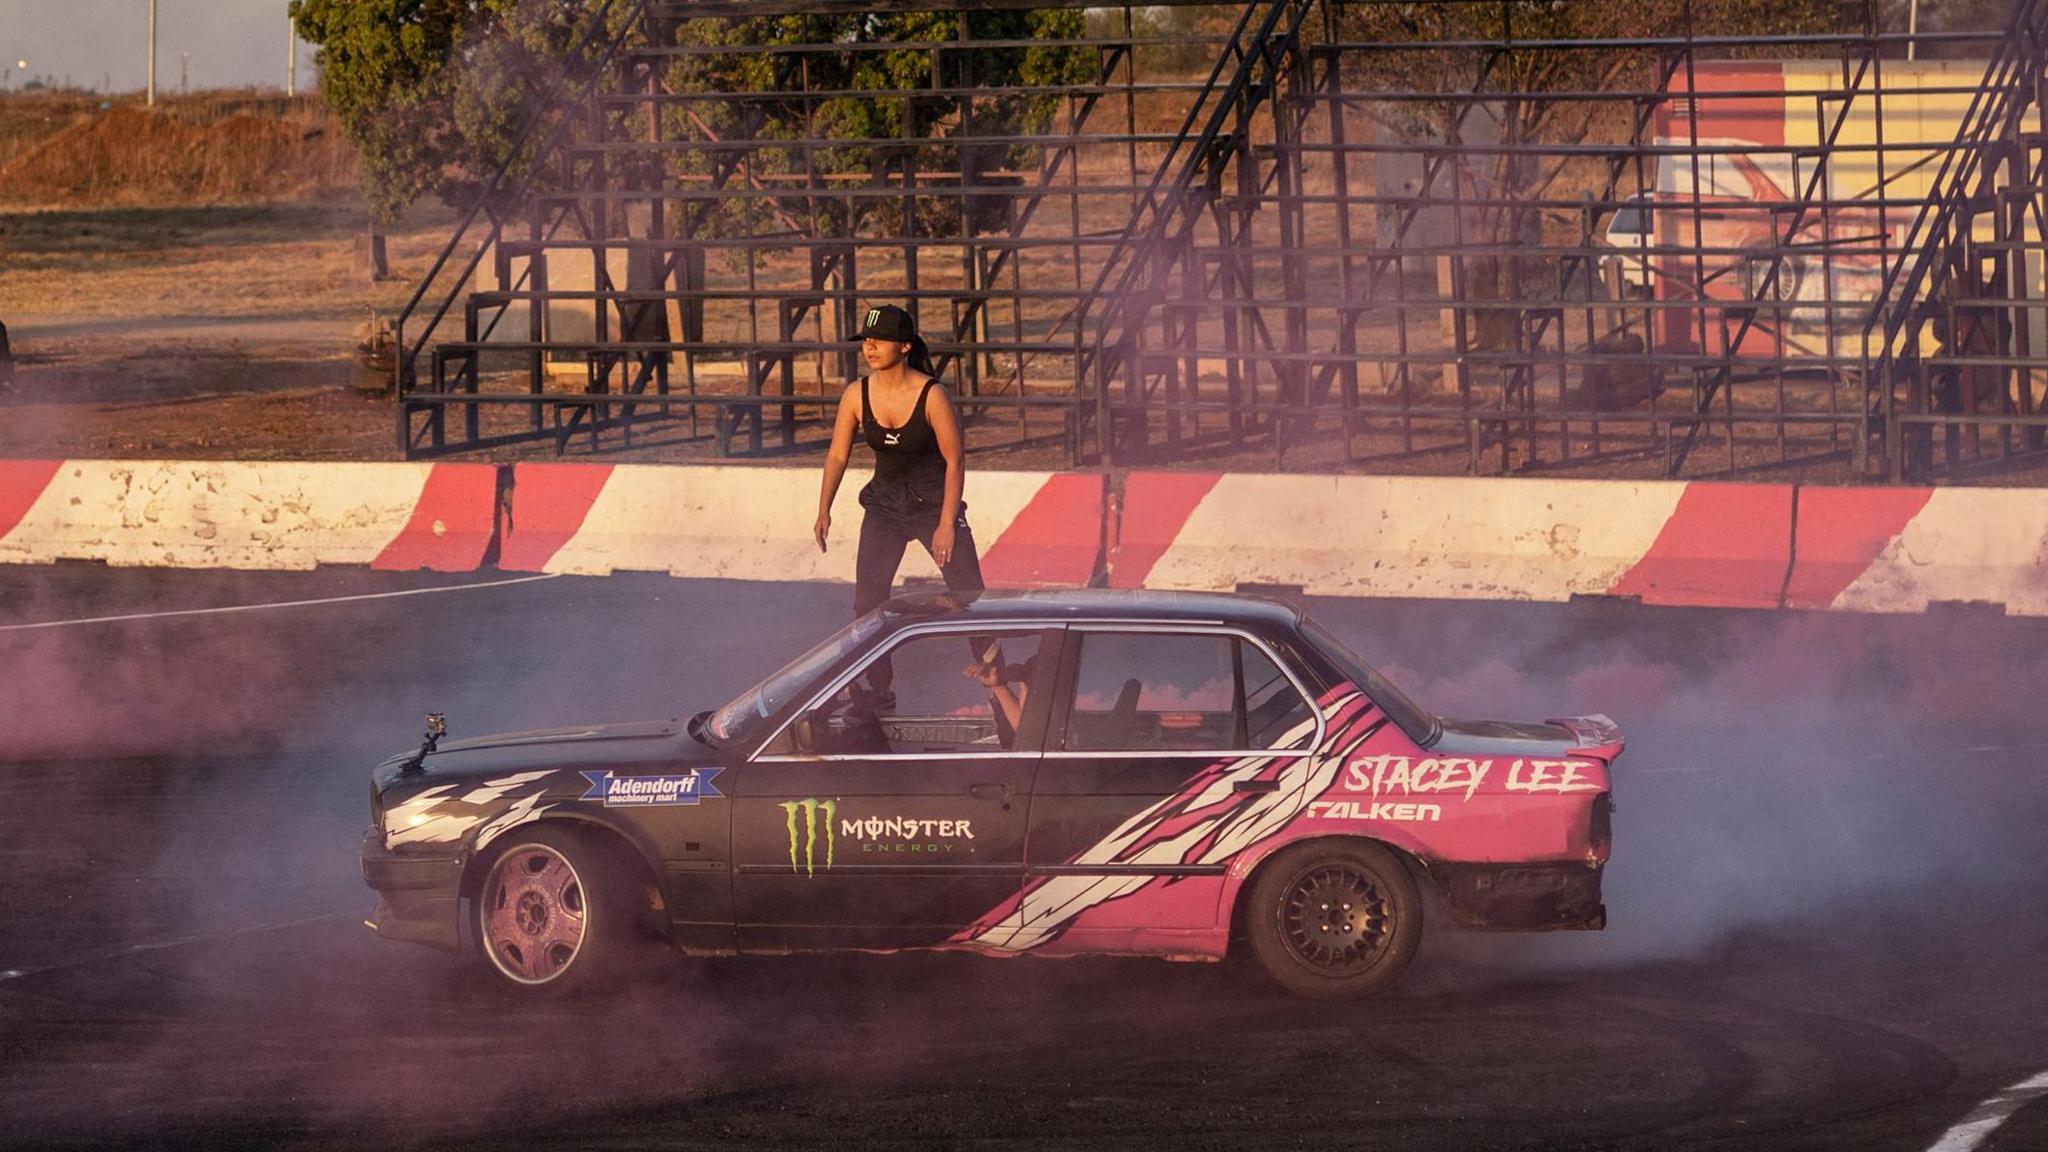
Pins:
<point x="152" y="54"/>
<point x="291" y="59"/>
<point x="184" y="69"/>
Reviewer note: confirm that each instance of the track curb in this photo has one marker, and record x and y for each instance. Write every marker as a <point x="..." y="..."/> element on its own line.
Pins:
<point x="1671" y="543"/>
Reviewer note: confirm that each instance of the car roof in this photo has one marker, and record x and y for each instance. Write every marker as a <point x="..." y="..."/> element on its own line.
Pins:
<point x="1092" y="604"/>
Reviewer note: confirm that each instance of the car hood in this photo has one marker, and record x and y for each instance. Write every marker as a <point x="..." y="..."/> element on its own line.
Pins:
<point x="572" y="747"/>
<point x="577" y="734"/>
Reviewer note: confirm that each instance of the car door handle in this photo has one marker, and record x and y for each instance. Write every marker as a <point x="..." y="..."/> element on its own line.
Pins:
<point x="1256" y="786"/>
<point x="989" y="791"/>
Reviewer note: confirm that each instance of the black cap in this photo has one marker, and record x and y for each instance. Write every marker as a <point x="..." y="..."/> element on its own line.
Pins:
<point x="887" y="322"/>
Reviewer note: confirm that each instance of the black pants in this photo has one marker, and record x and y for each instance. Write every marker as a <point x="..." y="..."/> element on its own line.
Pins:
<point x="892" y="518"/>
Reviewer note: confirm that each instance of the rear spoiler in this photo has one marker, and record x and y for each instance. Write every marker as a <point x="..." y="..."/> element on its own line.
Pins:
<point x="1597" y="736"/>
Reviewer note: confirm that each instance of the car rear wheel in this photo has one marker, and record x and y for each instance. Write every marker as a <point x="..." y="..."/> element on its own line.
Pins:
<point x="549" y="915"/>
<point x="1334" y="920"/>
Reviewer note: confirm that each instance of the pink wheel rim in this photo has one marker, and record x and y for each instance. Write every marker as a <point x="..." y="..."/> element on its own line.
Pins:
<point x="533" y="914"/>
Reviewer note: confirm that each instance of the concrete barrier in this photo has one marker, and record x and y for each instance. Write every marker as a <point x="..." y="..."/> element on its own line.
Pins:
<point x="1035" y="529"/>
<point x="1714" y="545"/>
<point x="232" y="514"/>
<point x="1723" y="546"/>
<point x="1431" y="537"/>
<point x="1902" y="549"/>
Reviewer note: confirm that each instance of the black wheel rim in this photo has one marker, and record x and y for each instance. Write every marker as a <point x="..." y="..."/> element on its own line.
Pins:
<point x="1336" y="920"/>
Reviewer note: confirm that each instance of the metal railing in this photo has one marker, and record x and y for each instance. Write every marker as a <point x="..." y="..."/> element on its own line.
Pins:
<point x="1346" y="241"/>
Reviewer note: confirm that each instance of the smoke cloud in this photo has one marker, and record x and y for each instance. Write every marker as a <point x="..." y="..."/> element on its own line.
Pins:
<point x="205" y="779"/>
<point x="1783" y="770"/>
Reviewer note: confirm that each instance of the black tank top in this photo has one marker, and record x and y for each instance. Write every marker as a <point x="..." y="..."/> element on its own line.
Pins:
<point x="907" y="454"/>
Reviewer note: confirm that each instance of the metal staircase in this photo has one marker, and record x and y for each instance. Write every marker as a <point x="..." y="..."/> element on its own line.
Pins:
<point x="1955" y="279"/>
<point x="1140" y="274"/>
<point x="453" y="365"/>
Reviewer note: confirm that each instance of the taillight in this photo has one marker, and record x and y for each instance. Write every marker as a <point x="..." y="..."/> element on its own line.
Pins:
<point x="1600" y="833"/>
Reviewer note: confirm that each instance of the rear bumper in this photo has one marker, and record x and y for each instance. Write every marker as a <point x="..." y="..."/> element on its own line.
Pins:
<point x="1523" y="897"/>
<point x="419" y="897"/>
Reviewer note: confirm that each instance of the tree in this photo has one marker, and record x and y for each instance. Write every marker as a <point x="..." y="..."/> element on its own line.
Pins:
<point x="434" y="93"/>
<point x="1025" y="97"/>
<point x="1986" y="16"/>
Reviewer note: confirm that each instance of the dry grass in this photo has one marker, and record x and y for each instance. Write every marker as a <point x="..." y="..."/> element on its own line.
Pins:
<point x="199" y="331"/>
<point x="74" y="151"/>
<point x="289" y="259"/>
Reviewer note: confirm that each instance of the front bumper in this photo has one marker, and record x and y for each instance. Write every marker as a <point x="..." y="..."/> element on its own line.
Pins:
<point x="419" y="897"/>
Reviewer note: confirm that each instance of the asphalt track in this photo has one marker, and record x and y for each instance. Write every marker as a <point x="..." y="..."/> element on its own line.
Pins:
<point x="1826" y="900"/>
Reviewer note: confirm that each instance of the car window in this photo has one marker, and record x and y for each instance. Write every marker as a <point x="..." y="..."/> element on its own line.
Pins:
<point x="1276" y="714"/>
<point x="1156" y="691"/>
<point x="943" y="693"/>
<point x="745" y="713"/>
<point x="1416" y="722"/>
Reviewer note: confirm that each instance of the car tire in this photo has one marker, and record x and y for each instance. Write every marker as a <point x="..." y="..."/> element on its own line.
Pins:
<point x="1334" y="919"/>
<point x="552" y="916"/>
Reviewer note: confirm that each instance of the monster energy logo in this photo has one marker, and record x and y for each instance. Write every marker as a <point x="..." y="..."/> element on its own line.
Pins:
<point x="810" y="809"/>
<point x="887" y="835"/>
<point x="874" y="317"/>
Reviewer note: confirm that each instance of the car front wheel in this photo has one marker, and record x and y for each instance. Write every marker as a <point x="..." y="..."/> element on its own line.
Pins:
<point x="548" y="916"/>
<point x="1334" y="920"/>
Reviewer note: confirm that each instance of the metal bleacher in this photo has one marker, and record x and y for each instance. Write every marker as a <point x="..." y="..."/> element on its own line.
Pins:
<point x="1325" y="234"/>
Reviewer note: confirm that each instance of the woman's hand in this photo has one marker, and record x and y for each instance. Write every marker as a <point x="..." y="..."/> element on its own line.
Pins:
<point x="821" y="528"/>
<point x="986" y="675"/>
<point x="942" y="544"/>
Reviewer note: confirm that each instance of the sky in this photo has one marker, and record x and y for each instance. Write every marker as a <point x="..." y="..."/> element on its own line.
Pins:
<point x="103" y="44"/>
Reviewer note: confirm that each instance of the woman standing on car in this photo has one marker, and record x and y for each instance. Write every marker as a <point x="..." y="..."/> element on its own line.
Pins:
<point x="908" y="418"/>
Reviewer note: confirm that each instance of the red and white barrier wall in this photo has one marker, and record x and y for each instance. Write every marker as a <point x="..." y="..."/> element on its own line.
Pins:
<point x="1697" y="544"/>
<point x="1668" y="543"/>
<point x="1034" y="529"/>
<point x="233" y="514"/>
<point x="1902" y="549"/>
<point x="1725" y="545"/>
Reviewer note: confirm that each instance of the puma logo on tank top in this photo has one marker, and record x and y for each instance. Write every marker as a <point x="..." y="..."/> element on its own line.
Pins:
<point x="909" y="449"/>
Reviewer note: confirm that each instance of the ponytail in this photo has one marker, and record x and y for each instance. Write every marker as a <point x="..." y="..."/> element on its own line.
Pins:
<point x="920" y="357"/>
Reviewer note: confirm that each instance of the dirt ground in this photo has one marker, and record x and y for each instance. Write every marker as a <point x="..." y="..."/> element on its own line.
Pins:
<point x="199" y="331"/>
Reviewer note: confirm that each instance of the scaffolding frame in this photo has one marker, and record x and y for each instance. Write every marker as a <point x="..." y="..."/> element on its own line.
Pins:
<point x="1323" y="251"/>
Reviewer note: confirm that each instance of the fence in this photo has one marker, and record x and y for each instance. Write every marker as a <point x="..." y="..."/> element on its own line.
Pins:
<point x="1472" y="237"/>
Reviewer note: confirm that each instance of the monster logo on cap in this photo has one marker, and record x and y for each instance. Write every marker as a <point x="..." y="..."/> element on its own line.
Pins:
<point x="887" y="322"/>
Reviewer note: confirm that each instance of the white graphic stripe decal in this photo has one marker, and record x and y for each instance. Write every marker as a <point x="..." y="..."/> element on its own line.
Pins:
<point x="439" y="816"/>
<point x="1227" y="820"/>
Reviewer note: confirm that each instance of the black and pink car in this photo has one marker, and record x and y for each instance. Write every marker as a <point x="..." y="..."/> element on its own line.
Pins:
<point x="1152" y="774"/>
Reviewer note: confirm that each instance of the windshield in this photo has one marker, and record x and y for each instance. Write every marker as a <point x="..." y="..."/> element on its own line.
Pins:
<point x="756" y="704"/>
<point x="1421" y="726"/>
